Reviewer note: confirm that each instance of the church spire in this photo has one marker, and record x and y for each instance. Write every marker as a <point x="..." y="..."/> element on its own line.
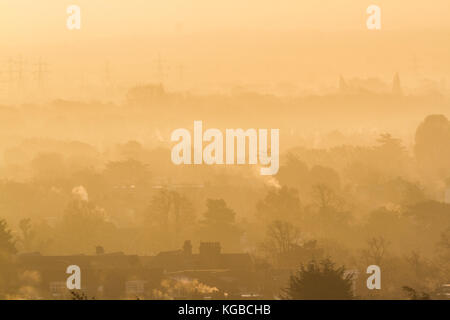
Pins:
<point x="343" y="87"/>
<point x="396" y="86"/>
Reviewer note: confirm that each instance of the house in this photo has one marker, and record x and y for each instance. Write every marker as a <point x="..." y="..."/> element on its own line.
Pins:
<point x="120" y="276"/>
<point x="209" y="257"/>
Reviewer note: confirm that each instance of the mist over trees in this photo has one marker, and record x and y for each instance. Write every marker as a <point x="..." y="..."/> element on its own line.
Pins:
<point x="354" y="197"/>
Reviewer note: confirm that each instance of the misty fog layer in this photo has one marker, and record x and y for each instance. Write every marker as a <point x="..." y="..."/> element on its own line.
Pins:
<point x="86" y="176"/>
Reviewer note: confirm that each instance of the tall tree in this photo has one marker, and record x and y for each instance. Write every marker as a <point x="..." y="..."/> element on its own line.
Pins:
<point x="27" y="234"/>
<point x="218" y="224"/>
<point x="7" y="243"/>
<point x="280" y="204"/>
<point x="376" y="250"/>
<point x="171" y="215"/>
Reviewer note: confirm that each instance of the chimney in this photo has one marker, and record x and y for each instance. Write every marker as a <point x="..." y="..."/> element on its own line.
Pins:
<point x="187" y="247"/>
<point x="99" y="250"/>
<point x="210" y="248"/>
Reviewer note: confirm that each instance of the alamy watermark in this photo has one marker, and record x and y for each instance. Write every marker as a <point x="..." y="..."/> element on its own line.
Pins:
<point x="74" y="19"/>
<point x="235" y="147"/>
<point x="373" y="22"/>
<point x="74" y="280"/>
<point x="374" y="281"/>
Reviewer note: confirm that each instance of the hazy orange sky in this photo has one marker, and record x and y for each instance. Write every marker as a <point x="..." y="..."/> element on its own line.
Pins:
<point x="231" y="41"/>
<point x="37" y="20"/>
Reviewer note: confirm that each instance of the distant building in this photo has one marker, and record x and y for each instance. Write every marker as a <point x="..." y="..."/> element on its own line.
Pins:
<point x="104" y="275"/>
<point x="209" y="257"/>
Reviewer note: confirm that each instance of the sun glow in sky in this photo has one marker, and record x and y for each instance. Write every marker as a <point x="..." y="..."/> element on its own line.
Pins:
<point x="216" y="40"/>
<point x="31" y="20"/>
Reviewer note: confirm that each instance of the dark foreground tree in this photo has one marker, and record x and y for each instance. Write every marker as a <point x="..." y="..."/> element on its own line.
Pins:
<point x="319" y="280"/>
<point x="7" y="268"/>
<point x="79" y="295"/>
<point x="7" y="244"/>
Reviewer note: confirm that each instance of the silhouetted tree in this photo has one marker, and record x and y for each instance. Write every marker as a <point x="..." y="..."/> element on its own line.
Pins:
<point x="280" y="204"/>
<point x="8" y="272"/>
<point x="281" y="236"/>
<point x="320" y="175"/>
<point x="27" y="234"/>
<point x="430" y="217"/>
<point x="325" y="198"/>
<point x="293" y="173"/>
<point x="376" y="251"/>
<point x="218" y="223"/>
<point x="171" y="214"/>
<point x="319" y="280"/>
<point x="84" y="226"/>
<point x="332" y="217"/>
<point x="7" y="243"/>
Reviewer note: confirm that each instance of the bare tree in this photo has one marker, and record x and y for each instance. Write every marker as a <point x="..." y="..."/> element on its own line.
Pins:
<point x="27" y="234"/>
<point x="281" y="237"/>
<point x="326" y="198"/>
<point x="377" y="247"/>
